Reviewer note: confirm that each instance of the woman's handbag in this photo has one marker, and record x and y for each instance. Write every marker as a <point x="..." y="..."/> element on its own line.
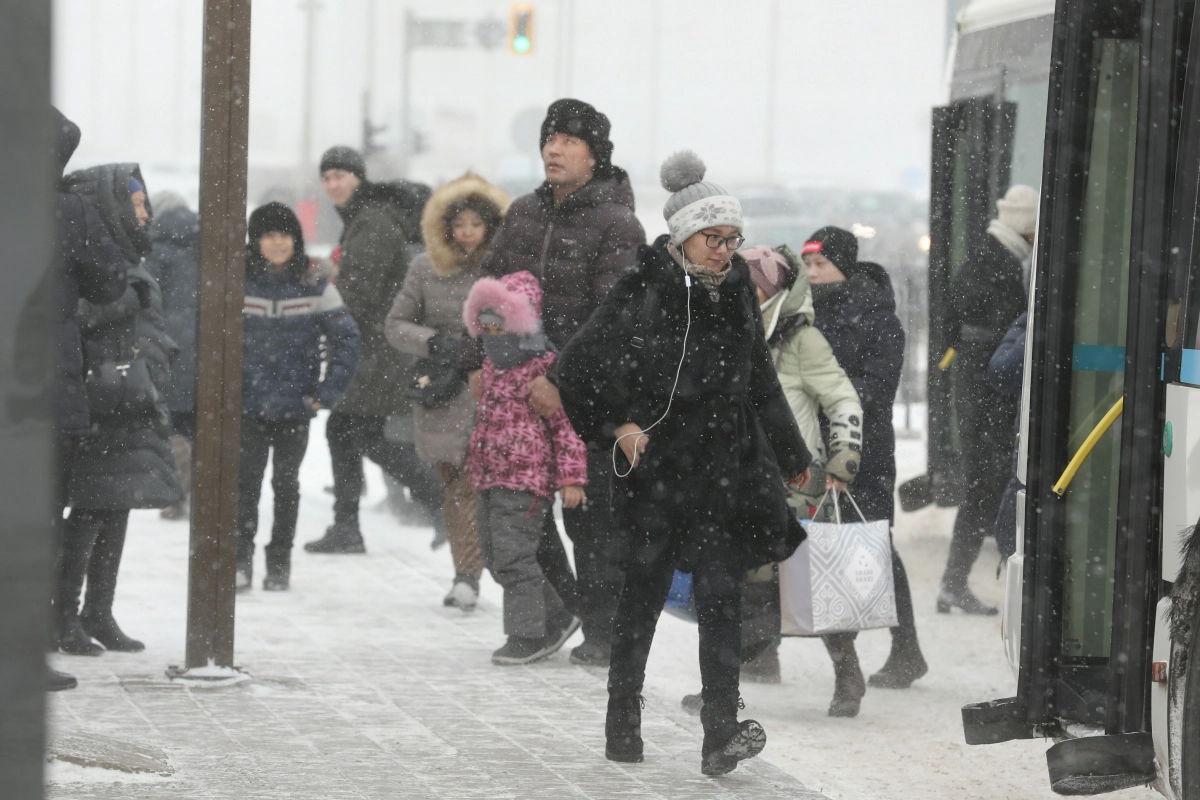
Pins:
<point x="839" y="579"/>
<point x="433" y="382"/>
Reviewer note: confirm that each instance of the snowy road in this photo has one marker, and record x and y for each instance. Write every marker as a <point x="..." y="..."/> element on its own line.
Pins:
<point x="366" y="687"/>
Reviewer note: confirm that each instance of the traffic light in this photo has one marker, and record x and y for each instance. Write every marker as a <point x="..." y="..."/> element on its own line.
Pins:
<point x="520" y="28"/>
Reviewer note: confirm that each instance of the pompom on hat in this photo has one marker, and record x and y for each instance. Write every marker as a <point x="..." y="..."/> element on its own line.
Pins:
<point x="695" y="204"/>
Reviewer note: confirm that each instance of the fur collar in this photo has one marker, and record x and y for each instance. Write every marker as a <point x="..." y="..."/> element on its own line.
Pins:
<point x="447" y="257"/>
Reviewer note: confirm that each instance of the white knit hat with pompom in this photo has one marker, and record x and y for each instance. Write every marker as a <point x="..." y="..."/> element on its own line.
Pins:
<point x="695" y="204"/>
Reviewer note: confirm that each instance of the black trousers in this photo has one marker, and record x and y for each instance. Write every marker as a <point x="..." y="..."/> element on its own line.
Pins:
<point x="351" y="438"/>
<point x="985" y="425"/>
<point x="594" y="538"/>
<point x="717" y="587"/>
<point x="93" y="541"/>
<point x="289" y="439"/>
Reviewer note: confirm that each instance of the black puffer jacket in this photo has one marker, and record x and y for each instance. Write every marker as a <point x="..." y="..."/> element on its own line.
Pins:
<point x="174" y="263"/>
<point x="92" y="268"/>
<point x="719" y="458"/>
<point x="127" y="462"/>
<point x="858" y="318"/>
<point x="380" y="240"/>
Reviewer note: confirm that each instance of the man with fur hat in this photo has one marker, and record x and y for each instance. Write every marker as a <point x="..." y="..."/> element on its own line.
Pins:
<point x="380" y="237"/>
<point x="577" y="234"/>
<point x="987" y="295"/>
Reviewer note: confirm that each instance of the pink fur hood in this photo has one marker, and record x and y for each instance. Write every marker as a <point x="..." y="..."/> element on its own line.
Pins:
<point x="517" y="298"/>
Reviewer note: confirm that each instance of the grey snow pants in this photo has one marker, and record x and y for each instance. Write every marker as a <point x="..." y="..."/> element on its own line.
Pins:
<point x="510" y="528"/>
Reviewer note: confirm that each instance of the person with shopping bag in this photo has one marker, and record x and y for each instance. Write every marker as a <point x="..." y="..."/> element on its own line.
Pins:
<point x="855" y="309"/>
<point x="673" y="372"/>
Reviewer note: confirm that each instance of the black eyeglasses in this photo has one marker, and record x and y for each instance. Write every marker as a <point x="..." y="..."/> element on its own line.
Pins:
<point x="715" y="240"/>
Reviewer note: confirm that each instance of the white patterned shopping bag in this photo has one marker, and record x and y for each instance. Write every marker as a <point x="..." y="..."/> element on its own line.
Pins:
<point x="839" y="579"/>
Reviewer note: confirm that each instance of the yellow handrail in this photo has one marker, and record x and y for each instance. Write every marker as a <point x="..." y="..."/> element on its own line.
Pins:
<point x="947" y="359"/>
<point x="1086" y="448"/>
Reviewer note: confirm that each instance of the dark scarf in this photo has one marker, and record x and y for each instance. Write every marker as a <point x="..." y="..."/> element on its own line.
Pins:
<point x="708" y="279"/>
<point x="508" y="350"/>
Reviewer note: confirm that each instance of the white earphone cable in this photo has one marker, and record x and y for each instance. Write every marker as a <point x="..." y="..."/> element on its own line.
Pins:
<point x="687" y="280"/>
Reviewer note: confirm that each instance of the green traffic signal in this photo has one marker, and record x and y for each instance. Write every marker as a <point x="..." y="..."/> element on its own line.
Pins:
<point x="521" y="44"/>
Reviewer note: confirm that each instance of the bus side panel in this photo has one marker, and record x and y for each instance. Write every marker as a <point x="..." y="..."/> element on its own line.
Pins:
<point x="1181" y="473"/>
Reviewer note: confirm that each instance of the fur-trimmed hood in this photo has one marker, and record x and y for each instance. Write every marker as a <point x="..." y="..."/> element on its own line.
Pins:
<point x="517" y="298"/>
<point x="469" y="191"/>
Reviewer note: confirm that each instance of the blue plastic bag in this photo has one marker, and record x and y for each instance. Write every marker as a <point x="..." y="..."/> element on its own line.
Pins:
<point x="680" y="602"/>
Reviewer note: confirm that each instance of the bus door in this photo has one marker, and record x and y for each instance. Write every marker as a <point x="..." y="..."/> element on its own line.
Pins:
<point x="1093" y="425"/>
<point x="972" y="158"/>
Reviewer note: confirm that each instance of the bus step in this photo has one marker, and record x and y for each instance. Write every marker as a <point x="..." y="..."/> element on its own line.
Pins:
<point x="1098" y="764"/>
<point x="996" y="721"/>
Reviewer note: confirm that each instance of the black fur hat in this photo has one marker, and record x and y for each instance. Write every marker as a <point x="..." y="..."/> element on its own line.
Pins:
<point x="580" y="119"/>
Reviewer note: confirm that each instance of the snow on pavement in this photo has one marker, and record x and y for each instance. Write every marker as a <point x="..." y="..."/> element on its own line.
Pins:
<point x="366" y="687"/>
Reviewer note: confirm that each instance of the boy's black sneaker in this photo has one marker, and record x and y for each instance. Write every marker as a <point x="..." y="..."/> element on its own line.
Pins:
<point x="341" y="537"/>
<point x="558" y="630"/>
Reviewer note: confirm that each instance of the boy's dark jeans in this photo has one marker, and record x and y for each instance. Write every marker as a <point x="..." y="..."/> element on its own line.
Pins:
<point x="289" y="439"/>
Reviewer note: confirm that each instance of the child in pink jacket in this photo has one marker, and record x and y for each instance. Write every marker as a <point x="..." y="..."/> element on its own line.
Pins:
<point x="517" y="461"/>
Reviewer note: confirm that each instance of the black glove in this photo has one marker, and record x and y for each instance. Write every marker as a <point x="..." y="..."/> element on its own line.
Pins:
<point x="443" y="348"/>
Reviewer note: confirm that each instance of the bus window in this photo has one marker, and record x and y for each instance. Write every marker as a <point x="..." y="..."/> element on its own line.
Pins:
<point x="1029" y="136"/>
<point x="1098" y="356"/>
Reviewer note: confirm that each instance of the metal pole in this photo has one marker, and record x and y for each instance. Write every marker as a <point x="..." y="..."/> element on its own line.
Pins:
<point x="772" y="81"/>
<point x="224" y="128"/>
<point x="27" y="388"/>
<point x="405" y="94"/>
<point x="656" y="48"/>
<point x="310" y="27"/>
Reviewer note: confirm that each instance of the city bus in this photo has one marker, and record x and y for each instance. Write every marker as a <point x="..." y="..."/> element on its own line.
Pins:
<point x="1110" y="408"/>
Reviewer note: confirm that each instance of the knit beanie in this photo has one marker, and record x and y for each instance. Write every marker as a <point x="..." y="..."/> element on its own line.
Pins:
<point x="836" y="244"/>
<point x="1018" y="209"/>
<point x="135" y="185"/>
<point x="769" y="270"/>
<point x="582" y="120"/>
<point x="343" y="157"/>
<point x="695" y="204"/>
<point x="274" y="218"/>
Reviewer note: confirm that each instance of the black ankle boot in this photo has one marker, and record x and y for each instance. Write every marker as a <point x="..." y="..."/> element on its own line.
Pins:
<point x="73" y="640"/>
<point x="964" y="599"/>
<point x="727" y="741"/>
<point x="849" y="686"/>
<point x="904" y="665"/>
<point x="623" y="729"/>
<point x="104" y="629"/>
<point x="279" y="570"/>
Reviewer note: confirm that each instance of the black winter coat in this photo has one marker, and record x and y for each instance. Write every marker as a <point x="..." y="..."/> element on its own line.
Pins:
<point x="174" y="262"/>
<point x="127" y="463"/>
<point x="715" y="465"/>
<point x="858" y="318"/>
<point x="378" y="243"/>
<point x="92" y="268"/>
<point x="987" y="294"/>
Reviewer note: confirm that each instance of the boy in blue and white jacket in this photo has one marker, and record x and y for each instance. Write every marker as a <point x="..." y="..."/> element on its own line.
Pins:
<point x="287" y="310"/>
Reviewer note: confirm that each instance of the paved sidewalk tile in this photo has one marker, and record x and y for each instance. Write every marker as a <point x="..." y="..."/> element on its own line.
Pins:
<point x="363" y="686"/>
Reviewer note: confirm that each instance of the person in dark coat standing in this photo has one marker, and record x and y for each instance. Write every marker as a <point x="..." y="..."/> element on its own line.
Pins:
<point x="125" y="461"/>
<point x="855" y="309"/>
<point x="286" y="312"/>
<point x="673" y="374"/>
<point x="174" y="262"/>
<point x="987" y="294"/>
<point x="1006" y="371"/>
<point x="91" y="268"/>
<point x="380" y="239"/>
<point x="577" y="233"/>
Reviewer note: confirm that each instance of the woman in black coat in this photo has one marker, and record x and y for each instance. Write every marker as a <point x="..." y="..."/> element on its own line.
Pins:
<point x="125" y="461"/>
<point x="673" y="370"/>
<point x="855" y="309"/>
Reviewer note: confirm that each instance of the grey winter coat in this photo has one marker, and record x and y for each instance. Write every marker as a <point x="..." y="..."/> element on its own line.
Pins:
<point x="431" y="302"/>
<point x="127" y="463"/>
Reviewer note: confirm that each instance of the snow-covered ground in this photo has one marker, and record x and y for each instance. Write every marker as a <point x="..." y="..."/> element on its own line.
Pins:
<point x="905" y="744"/>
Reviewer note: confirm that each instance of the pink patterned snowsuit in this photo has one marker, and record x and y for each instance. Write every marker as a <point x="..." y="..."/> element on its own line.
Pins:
<point x="513" y="447"/>
<point x="517" y="461"/>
